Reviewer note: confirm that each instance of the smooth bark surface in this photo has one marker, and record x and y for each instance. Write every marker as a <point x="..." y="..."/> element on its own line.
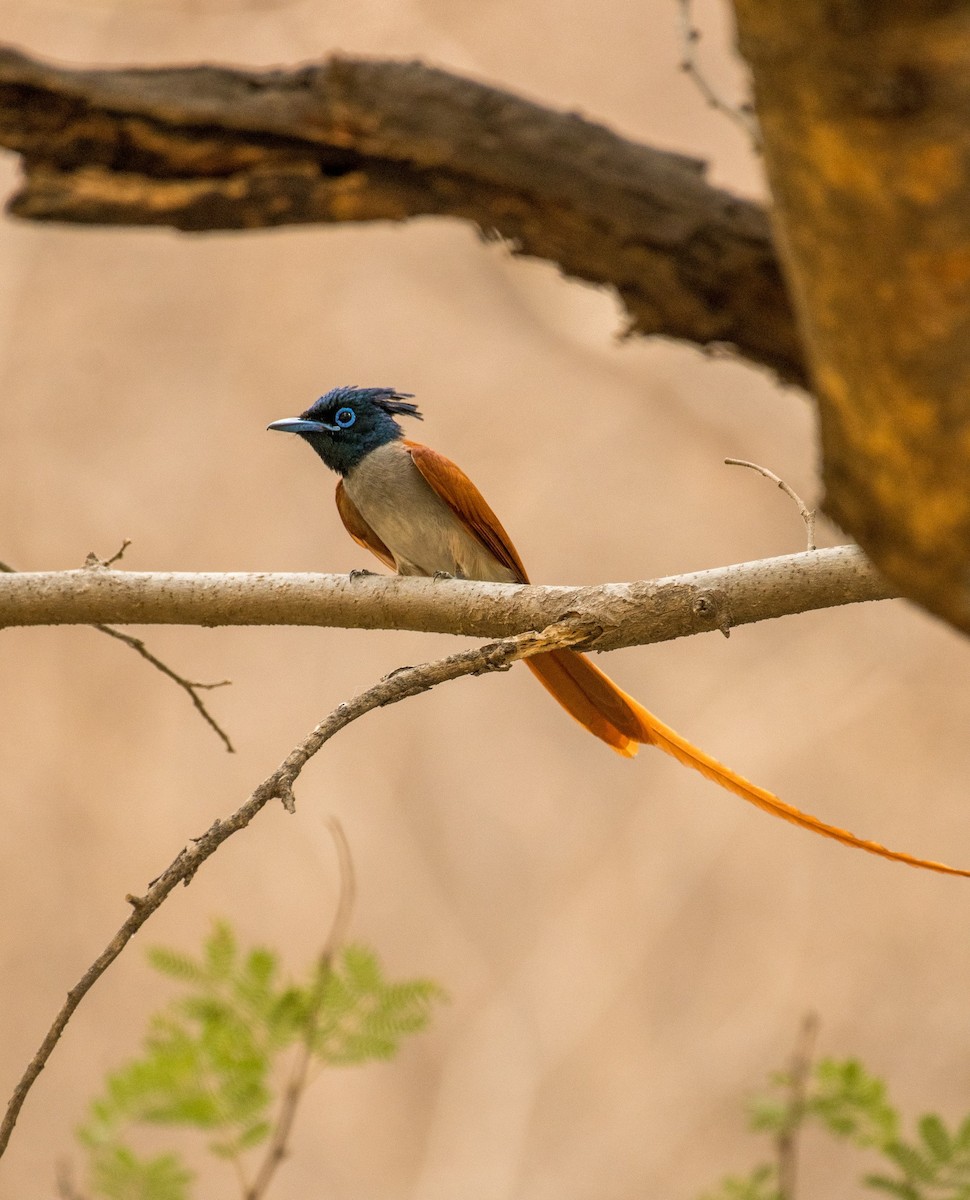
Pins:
<point x="629" y="614"/>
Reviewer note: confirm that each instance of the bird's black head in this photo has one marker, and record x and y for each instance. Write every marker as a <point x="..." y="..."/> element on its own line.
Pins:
<point x="347" y="423"/>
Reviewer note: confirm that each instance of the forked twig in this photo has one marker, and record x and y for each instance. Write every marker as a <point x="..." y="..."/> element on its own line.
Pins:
<point x="807" y="514"/>
<point x="93" y="562"/>
<point x="742" y="115"/>
<point x="496" y="656"/>
<point x="191" y="686"/>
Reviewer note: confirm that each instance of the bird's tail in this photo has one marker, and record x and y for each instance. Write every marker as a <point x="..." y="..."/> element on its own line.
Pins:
<point x="595" y="701"/>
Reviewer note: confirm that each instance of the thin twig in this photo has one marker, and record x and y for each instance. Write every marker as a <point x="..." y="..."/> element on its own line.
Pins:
<point x="496" y="656"/>
<point x="742" y="115"/>
<point x="93" y="561"/>
<point x="348" y="891"/>
<point x="798" y="1077"/>
<point x="64" y="1182"/>
<point x="299" y="1075"/>
<point x="191" y="686"/>
<point x="807" y="514"/>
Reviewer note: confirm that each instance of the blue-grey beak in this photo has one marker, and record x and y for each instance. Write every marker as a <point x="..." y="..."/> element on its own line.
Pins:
<point x="299" y="425"/>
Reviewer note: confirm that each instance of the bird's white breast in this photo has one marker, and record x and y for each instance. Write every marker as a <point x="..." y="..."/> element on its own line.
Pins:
<point x="413" y="522"/>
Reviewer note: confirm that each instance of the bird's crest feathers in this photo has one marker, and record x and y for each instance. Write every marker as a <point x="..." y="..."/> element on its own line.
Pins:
<point x="389" y="399"/>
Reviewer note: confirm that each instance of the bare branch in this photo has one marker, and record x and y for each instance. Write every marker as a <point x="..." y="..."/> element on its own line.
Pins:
<point x="64" y="1182"/>
<point x="742" y="115"/>
<point x="300" y="1073"/>
<point x="348" y="890"/>
<point x="628" y="614"/>
<point x="191" y="686"/>
<point x="93" y="561"/>
<point x="798" y="1076"/>
<point x="408" y="681"/>
<point x="807" y="514"/>
<point x="203" y="148"/>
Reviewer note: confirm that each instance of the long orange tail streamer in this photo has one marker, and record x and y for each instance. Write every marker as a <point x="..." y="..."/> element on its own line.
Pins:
<point x="595" y="701"/>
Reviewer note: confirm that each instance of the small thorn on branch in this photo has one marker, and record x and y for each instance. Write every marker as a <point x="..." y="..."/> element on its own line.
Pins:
<point x="286" y="795"/>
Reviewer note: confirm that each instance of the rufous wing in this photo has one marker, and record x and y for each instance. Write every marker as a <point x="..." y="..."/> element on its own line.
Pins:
<point x="468" y="504"/>
<point x="359" y="530"/>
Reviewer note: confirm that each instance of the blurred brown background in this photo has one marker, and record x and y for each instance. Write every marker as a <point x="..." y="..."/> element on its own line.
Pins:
<point x="628" y="949"/>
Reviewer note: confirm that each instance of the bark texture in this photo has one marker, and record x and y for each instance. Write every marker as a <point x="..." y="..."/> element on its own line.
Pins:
<point x="627" y="614"/>
<point x="205" y="148"/>
<point x="865" y="113"/>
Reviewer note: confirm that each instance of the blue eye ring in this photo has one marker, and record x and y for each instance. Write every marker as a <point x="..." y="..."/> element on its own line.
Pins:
<point x="345" y="417"/>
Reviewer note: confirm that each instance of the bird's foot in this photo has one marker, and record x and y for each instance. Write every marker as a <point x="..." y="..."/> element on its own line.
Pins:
<point x="361" y="572"/>
<point x="442" y="575"/>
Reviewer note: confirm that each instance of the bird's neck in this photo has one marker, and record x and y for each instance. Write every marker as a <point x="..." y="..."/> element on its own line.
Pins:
<point x="343" y="456"/>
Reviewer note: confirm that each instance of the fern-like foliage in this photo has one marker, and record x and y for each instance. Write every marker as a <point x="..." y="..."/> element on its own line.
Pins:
<point x="849" y="1103"/>
<point x="214" y="1059"/>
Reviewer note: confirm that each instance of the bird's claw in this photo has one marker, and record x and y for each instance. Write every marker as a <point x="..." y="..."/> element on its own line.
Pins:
<point x="360" y="573"/>
<point x="442" y="575"/>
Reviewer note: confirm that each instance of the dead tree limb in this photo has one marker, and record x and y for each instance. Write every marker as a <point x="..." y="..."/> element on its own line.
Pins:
<point x="203" y="148"/>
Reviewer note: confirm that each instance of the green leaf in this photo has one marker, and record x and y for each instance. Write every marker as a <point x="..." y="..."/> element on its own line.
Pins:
<point x="362" y="969"/>
<point x="212" y="1059"/>
<point x="286" y="1017"/>
<point x="766" y="1115"/>
<point x="935" y="1137"/>
<point x="760" y="1184"/>
<point x="895" y="1187"/>
<point x="962" y="1137"/>
<point x="261" y="966"/>
<point x="852" y="1104"/>
<point x="220" y="951"/>
<point x="118" y="1174"/>
<point x="910" y="1162"/>
<point x="254" y="1135"/>
<point x="176" y="965"/>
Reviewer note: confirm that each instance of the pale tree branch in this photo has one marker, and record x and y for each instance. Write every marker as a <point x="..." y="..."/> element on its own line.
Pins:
<point x="399" y="685"/>
<point x="201" y="148"/>
<point x="627" y="614"/>
<point x="807" y="514"/>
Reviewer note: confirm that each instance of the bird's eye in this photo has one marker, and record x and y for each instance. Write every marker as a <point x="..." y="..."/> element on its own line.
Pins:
<point x="345" y="417"/>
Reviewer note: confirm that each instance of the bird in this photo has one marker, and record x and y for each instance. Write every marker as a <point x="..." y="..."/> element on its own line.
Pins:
<point x="420" y="514"/>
